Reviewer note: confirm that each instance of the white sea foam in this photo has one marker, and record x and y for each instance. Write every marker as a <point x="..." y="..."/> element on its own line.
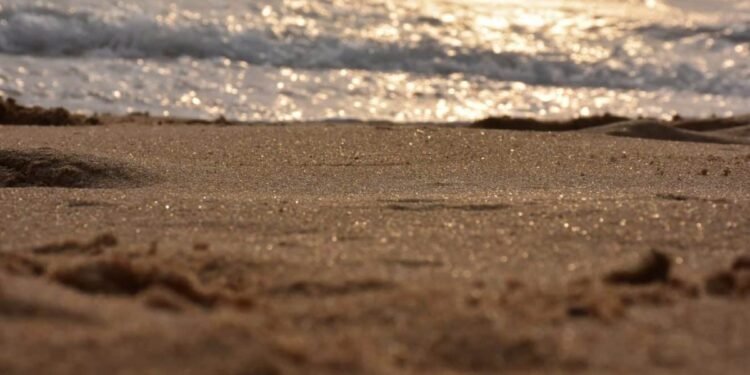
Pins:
<point x="420" y="60"/>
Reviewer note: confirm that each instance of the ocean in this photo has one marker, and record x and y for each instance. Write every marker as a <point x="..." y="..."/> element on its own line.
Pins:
<point x="392" y="60"/>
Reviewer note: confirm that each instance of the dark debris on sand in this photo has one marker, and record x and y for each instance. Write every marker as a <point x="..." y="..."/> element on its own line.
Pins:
<point x="11" y="113"/>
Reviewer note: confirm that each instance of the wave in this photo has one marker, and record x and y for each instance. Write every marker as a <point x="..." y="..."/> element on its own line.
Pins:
<point x="47" y="32"/>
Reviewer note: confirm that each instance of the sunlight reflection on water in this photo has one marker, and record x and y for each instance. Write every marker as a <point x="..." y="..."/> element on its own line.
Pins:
<point x="439" y="60"/>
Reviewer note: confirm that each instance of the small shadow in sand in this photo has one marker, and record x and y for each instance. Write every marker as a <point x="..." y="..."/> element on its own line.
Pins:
<point x="674" y="197"/>
<point x="654" y="268"/>
<point x="20" y="308"/>
<point x="442" y="207"/>
<point x="122" y="277"/>
<point x="414" y="263"/>
<point x="733" y="282"/>
<point x="684" y="198"/>
<point x="323" y="289"/>
<point x="357" y="163"/>
<point x="87" y="204"/>
<point x="95" y="247"/>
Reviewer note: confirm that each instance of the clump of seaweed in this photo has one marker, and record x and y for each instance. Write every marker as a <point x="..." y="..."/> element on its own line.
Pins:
<point x="12" y="113"/>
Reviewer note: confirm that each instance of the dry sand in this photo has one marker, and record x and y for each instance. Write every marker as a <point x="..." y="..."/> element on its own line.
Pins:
<point x="135" y="247"/>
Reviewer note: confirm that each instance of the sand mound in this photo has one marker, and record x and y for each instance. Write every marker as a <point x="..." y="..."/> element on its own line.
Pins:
<point x="511" y="123"/>
<point x="731" y="130"/>
<point x="13" y="114"/>
<point x="649" y="129"/>
<point x="712" y="124"/>
<point x="737" y="132"/>
<point x="49" y="168"/>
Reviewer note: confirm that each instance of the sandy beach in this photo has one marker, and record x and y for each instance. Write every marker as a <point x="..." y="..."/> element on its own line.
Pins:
<point x="427" y="187"/>
<point x="145" y="245"/>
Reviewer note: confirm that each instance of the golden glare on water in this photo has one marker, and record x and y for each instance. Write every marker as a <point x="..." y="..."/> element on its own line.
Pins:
<point x="508" y="29"/>
<point x="418" y="60"/>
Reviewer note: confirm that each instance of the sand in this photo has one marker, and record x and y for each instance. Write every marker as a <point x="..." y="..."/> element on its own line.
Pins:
<point x="146" y="245"/>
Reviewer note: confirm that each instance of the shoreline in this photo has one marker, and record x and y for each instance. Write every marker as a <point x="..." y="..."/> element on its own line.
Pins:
<point x="700" y="130"/>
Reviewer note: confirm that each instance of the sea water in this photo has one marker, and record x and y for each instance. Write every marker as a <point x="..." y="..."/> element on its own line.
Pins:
<point x="394" y="60"/>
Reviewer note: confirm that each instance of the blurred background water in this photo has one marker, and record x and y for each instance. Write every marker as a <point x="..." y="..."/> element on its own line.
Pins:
<point x="396" y="60"/>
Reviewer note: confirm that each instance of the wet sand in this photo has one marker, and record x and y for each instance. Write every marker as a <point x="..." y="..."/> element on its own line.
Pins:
<point x="154" y="246"/>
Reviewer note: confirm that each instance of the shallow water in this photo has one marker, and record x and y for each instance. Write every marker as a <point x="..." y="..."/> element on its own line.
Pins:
<point x="419" y="60"/>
